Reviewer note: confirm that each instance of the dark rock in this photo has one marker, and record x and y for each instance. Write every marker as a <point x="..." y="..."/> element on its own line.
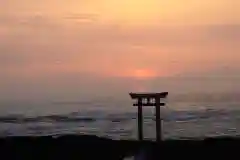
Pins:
<point x="72" y="147"/>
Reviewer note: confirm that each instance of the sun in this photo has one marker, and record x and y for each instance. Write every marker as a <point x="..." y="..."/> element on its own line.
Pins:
<point x="143" y="74"/>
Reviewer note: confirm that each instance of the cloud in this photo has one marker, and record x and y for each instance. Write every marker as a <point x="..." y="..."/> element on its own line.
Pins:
<point x="93" y="32"/>
<point x="158" y="35"/>
<point x="82" y="17"/>
<point x="43" y="41"/>
<point x="12" y="59"/>
<point x="35" y="22"/>
<point x="226" y="33"/>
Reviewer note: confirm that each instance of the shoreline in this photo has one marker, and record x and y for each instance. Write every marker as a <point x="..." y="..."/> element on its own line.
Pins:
<point x="89" y="147"/>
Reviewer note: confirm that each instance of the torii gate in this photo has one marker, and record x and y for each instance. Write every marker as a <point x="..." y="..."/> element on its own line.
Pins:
<point x="149" y="99"/>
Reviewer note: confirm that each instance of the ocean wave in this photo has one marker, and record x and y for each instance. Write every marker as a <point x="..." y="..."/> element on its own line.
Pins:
<point x="176" y="124"/>
<point x="51" y="118"/>
<point x="116" y="118"/>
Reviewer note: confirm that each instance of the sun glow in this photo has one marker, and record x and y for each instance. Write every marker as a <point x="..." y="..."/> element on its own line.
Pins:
<point x="140" y="74"/>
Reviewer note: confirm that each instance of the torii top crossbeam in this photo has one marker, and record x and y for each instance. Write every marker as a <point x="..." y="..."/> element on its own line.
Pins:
<point x="149" y="95"/>
<point x="149" y="99"/>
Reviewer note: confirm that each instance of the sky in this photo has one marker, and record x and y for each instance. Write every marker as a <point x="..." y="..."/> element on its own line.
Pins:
<point x="69" y="49"/>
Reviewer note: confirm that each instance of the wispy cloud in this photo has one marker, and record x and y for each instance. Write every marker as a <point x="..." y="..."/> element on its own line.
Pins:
<point x="159" y="47"/>
<point x="82" y="17"/>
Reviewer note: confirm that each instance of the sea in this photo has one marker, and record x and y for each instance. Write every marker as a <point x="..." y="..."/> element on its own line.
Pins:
<point x="117" y="119"/>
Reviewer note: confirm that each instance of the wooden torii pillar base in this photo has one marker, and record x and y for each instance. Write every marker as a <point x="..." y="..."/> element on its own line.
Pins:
<point x="149" y="99"/>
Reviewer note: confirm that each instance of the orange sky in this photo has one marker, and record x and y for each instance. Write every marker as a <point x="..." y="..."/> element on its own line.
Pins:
<point x="127" y="38"/>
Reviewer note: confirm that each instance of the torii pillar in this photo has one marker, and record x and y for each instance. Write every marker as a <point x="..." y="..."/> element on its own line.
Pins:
<point x="149" y="99"/>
